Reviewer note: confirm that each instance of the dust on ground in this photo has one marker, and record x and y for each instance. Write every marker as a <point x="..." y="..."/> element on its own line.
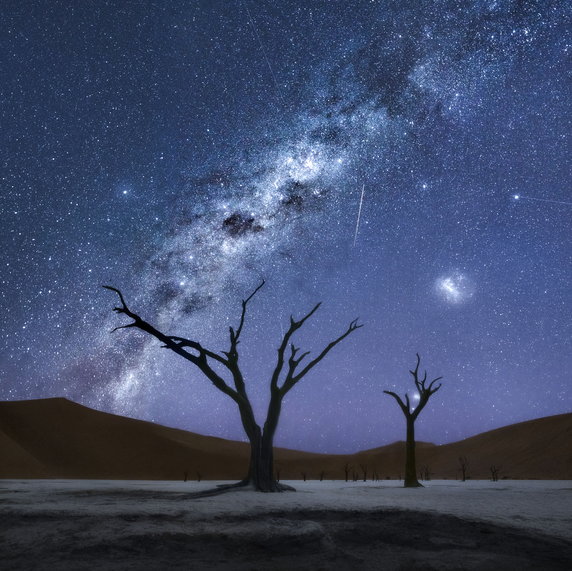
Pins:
<point x="324" y="539"/>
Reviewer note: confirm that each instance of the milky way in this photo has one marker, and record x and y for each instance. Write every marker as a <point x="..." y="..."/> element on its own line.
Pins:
<point x="185" y="152"/>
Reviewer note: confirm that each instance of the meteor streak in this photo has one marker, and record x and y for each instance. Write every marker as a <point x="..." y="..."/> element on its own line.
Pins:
<point x="521" y="197"/>
<point x="258" y="38"/>
<point x="359" y="213"/>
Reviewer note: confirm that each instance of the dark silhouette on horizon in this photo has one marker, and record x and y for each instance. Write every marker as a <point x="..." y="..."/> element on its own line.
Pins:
<point x="261" y="468"/>
<point x="411" y="415"/>
<point x="464" y="467"/>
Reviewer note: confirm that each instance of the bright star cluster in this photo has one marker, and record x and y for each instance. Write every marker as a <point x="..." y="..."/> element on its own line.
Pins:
<point x="455" y="288"/>
<point x="408" y="163"/>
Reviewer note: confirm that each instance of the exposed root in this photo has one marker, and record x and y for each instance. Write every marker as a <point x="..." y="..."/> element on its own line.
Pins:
<point x="241" y="484"/>
<point x="245" y="484"/>
<point x="284" y="488"/>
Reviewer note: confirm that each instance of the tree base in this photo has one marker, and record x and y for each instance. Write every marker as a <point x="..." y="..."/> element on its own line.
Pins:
<point x="246" y="485"/>
<point x="414" y="484"/>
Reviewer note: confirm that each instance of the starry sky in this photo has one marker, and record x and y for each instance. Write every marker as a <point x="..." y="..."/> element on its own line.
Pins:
<point x="407" y="163"/>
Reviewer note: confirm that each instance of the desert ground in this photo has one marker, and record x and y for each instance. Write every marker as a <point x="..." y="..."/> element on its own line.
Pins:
<point x="96" y="524"/>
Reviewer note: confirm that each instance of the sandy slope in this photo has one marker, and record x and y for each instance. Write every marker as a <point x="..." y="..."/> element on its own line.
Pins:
<point x="56" y="438"/>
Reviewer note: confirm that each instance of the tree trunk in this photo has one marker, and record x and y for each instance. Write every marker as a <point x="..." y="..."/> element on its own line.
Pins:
<point x="261" y="470"/>
<point x="410" y="468"/>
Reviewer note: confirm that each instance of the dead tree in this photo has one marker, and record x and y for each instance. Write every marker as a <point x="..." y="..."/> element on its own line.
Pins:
<point x="322" y="475"/>
<point x="347" y="469"/>
<point x="287" y="372"/>
<point x="425" y="473"/>
<point x="464" y="466"/>
<point x="363" y="468"/>
<point x="411" y="413"/>
<point x="304" y="475"/>
<point x="495" y="473"/>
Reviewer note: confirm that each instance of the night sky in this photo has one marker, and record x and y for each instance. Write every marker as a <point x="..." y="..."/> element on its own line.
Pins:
<point x="184" y="150"/>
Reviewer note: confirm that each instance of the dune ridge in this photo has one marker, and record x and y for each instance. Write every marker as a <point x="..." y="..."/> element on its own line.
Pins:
<point x="58" y="438"/>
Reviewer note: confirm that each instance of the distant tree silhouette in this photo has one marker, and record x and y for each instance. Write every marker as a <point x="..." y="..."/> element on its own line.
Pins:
<point x="495" y="473"/>
<point x="411" y="413"/>
<point x="347" y="469"/>
<point x="287" y="372"/>
<point x="363" y="468"/>
<point x="374" y="474"/>
<point x="322" y="475"/>
<point x="464" y="466"/>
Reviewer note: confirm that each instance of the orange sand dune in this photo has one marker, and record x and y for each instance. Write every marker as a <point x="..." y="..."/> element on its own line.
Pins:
<point x="57" y="438"/>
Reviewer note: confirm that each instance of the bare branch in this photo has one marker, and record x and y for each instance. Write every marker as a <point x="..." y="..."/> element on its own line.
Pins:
<point x="182" y="342"/>
<point x="124" y="309"/>
<point x="299" y="324"/>
<point x="231" y="361"/>
<point x="401" y="404"/>
<point x="123" y="327"/>
<point x="430" y="388"/>
<point x="293" y="379"/>
<point x="416" y="371"/>
<point x="235" y="335"/>
<point x="294" y="326"/>
<point x="177" y="345"/>
<point x="120" y="296"/>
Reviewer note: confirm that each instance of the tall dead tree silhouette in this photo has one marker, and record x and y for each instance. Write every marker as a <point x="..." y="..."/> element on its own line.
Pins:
<point x="411" y="414"/>
<point x="286" y="374"/>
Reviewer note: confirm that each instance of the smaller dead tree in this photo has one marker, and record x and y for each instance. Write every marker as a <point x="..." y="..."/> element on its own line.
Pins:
<point x="411" y="413"/>
<point x="464" y="467"/>
<point x="495" y="473"/>
<point x="425" y="473"/>
<point x="322" y="475"/>
<point x="199" y="476"/>
<point x="363" y="468"/>
<point x="347" y="469"/>
<point x="304" y="475"/>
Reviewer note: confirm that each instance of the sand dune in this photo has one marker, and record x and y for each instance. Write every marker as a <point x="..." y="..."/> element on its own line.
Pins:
<point x="57" y="438"/>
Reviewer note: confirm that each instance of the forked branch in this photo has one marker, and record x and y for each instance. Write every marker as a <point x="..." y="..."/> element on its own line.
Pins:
<point x="402" y="405"/>
<point x="294" y="326"/>
<point x="423" y="390"/>
<point x="292" y="377"/>
<point x="420" y="384"/>
<point x="179" y="345"/>
<point x="235" y="333"/>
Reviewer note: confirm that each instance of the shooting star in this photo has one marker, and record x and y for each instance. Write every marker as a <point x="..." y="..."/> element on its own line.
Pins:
<point x="359" y="213"/>
<point x="257" y="36"/>
<point x="522" y="197"/>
